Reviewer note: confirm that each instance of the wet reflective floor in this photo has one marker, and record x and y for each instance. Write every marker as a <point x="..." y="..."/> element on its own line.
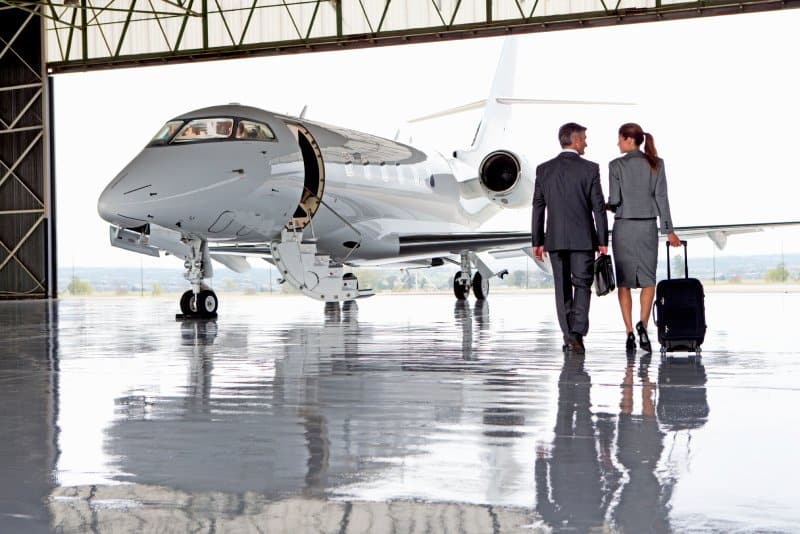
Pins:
<point x="402" y="414"/>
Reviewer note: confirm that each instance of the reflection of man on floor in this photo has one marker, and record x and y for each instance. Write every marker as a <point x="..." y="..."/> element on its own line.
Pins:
<point x="572" y="486"/>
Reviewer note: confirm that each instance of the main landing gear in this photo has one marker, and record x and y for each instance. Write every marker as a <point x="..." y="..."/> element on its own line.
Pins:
<point x="464" y="280"/>
<point x="200" y="302"/>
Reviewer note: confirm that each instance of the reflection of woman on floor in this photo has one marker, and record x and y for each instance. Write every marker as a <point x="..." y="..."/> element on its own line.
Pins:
<point x="641" y="507"/>
<point x="570" y="492"/>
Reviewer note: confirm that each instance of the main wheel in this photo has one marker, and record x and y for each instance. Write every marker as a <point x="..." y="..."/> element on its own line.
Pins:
<point x="207" y="303"/>
<point x="480" y="286"/>
<point x="460" y="287"/>
<point x="186" y="302"/>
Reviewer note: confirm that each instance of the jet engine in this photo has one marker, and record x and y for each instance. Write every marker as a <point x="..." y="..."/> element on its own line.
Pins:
<point x="506" y="179"/>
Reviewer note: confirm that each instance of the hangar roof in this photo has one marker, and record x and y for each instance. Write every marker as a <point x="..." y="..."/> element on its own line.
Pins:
<point x="94" y="34"/>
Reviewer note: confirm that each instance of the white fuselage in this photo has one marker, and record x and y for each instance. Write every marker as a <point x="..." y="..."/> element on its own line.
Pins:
<point x="230" y="190"/>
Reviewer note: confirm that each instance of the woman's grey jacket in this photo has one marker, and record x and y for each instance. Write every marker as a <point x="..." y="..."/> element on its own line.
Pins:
<point x="638" y="192"/>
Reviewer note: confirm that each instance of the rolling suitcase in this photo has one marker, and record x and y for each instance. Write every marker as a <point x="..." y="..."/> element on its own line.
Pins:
<point x="679" y="311"/>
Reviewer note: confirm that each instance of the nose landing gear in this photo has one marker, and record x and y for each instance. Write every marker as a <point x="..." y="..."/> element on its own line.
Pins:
<point x="202" y="306"/>
<point x="200" y="302"/>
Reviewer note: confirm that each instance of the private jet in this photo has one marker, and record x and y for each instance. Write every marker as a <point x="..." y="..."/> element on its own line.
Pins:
<point x="229" y="182"/>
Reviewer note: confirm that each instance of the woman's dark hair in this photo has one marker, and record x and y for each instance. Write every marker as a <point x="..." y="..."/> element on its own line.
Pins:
<point x="639" y="136"/>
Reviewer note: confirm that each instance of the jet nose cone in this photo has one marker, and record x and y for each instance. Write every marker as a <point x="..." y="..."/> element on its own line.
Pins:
<point x="108" y="203"/>
<point x="104" y="207"/>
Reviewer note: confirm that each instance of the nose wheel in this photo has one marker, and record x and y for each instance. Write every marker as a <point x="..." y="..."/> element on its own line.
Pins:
<point x="201" y="306"/>
<point x="199" y="302"/>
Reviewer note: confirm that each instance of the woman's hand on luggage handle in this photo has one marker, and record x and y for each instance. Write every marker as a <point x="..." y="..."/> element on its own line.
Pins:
<point x="673" y="239"/>
<point x="602" y="250"/>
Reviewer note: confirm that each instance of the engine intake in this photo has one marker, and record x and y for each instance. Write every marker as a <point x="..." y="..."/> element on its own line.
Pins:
<point x="505" y="179"/>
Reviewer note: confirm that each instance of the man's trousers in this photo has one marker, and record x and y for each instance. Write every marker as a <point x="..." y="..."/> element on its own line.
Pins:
<point x="573" y="274"/>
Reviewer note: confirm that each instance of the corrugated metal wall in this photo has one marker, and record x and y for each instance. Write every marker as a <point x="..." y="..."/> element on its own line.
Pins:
<point x="24" y="173"/>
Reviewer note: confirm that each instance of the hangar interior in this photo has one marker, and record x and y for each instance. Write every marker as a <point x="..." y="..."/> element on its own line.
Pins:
<point x="117" y="418"/>
<point x="39" y="39"/>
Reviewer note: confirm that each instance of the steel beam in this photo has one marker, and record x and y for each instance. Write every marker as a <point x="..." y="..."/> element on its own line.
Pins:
<point x="367" y="21"/>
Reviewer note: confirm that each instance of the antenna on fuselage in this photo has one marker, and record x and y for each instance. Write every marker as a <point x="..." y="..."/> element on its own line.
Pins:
<point x="303" y="112"/>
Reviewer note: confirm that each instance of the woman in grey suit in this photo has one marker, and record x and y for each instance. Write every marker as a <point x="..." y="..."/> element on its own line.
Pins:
<point x="637" y="195"/>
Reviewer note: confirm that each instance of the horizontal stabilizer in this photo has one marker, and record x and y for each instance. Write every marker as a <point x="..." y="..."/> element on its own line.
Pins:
<point x="452" y="111"/>
<point x="509" y="101"/>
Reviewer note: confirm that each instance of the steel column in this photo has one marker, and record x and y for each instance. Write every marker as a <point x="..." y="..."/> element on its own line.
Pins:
<point x="27" y="259"/>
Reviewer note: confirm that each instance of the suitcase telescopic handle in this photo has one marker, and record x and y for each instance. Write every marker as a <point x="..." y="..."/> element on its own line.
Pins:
<point x="685" y="260"/>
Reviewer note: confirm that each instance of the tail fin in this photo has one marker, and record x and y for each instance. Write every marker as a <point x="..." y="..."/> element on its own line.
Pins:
<point x="496" y="114"/>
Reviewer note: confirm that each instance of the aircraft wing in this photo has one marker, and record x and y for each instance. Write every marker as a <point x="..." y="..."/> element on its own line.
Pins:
<point x="507" y="244"/>
<point x="718" y="234"/>
<point x="442" y="244"/>
<point x="416" y="247"/>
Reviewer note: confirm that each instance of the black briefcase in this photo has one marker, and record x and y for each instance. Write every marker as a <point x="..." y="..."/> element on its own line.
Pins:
<point x="604" y="281"/>
<point x="679" y="311"/>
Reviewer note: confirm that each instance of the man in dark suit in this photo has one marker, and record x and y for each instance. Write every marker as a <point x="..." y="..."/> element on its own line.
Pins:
<point x="568" y="189"/>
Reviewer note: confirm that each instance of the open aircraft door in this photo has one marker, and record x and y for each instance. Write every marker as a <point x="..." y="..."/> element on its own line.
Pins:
<point x="314" y="184"/>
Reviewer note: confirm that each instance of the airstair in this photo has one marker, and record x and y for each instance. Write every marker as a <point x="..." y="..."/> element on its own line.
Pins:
<point x="312" y="273"/>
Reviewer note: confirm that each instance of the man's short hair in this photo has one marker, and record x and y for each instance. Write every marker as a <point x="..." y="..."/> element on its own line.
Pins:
<point x="566" y="131"/>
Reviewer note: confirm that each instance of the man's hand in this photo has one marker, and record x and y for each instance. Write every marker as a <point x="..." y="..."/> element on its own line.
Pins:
<point x="673" y="239"/>
<point x="602" y="250"/>
<point x="539" y="253"/>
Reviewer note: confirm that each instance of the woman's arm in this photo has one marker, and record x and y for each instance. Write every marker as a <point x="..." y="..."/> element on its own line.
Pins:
<point x="662" y="200"/>
<point x="614" y="192"/>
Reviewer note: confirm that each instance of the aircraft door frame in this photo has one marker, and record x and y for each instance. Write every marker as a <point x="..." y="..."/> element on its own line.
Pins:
<point x="314" y="177"/>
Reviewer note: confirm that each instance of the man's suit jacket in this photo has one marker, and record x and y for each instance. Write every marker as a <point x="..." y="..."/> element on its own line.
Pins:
<point x="568" y="188"/>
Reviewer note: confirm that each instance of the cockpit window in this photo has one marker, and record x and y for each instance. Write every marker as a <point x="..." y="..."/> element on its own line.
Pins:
<point x="254" y="130"/>
<point x="166" y="132"/>
<point x="204" y="130"/>
<point x="212" y="129"/>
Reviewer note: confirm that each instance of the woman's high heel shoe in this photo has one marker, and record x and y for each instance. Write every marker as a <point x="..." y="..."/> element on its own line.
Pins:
<point x="630" y="343"/>
<point x="644" y="341"/>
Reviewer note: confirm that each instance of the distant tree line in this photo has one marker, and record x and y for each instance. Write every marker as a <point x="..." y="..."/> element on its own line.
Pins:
<point x="422" y="279"/>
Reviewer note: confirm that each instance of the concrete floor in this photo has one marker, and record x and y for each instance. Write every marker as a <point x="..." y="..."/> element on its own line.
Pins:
<point x="407" y="414"/>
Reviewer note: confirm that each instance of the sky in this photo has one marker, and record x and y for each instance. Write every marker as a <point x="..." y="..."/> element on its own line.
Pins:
<point x="718" y="94"/>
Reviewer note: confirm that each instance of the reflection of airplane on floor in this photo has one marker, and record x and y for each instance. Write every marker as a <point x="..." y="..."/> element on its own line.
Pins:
<point x="259" y="437"/>
<point x="227" y="182"/>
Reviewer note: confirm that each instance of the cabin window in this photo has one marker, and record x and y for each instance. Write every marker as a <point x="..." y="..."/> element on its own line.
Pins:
<point x="255" y="131"/>
<point x="166" y="132"/>
<point x="204" y="130"/>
